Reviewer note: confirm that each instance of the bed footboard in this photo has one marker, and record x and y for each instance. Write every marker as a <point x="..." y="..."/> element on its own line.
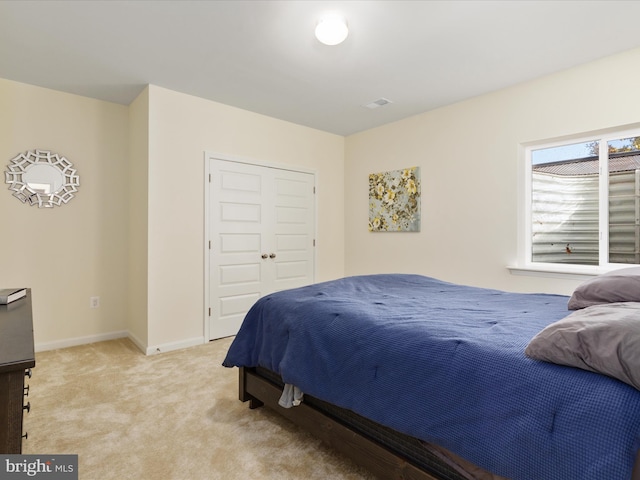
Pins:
<point x="362" y="450"/>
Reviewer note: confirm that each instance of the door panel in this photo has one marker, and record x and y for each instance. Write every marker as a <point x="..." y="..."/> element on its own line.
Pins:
<point x="239" y="242"/>
<point x="261" y="227"/>
<point x="235" y="212"/>
<point x="236" y="234"/>
<point x="293" y="229"/>
<point x="291" y="270"/>
<point x="240" y="304"/>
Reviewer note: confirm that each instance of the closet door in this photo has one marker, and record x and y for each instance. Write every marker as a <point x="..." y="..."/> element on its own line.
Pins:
<point x="261" y="224"/>
<point x="293" y="229"/>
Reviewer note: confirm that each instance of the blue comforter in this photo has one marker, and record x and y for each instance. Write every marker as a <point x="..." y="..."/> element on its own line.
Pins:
<point x="445" y="363"/>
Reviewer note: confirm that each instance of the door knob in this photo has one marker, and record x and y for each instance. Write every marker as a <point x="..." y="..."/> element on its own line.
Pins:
<point x="265" y="256"/>
<point x="273" y="255"/>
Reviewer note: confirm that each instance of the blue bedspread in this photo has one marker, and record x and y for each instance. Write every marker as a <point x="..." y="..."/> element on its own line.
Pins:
<point x="446" y="363"/>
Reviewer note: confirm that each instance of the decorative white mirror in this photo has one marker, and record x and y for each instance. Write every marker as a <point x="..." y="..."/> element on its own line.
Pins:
<point x="42" y="178"/>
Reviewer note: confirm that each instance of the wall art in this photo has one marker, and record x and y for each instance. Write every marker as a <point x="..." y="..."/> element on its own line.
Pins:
<point x="394" y="201"/>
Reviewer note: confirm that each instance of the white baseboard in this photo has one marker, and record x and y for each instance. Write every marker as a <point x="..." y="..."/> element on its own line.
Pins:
<point x="74" y="342"/>
<point x="167" y="347"/>
<point x="141" y="346"/>
<point x="147" y="350"/>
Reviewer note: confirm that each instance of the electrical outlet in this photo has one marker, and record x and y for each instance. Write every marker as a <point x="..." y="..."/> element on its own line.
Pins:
<point x="94" y="302"/>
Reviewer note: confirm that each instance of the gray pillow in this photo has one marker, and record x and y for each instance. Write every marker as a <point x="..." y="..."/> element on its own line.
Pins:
<point x="621" y="285"/>
<point x="601" y="338"/>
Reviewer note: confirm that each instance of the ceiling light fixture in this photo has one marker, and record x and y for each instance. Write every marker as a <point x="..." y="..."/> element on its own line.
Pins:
<point x="381" y="102"/>
<point x="332" y="30"/>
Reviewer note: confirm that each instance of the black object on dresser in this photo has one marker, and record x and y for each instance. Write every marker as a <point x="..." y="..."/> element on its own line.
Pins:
<point x="17" y="358"/>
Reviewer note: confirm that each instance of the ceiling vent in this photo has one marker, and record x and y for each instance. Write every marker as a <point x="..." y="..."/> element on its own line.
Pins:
<point x="381" y="102"/>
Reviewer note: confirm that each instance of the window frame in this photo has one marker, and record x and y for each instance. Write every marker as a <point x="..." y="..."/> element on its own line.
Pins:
<point x="524" y="264"/>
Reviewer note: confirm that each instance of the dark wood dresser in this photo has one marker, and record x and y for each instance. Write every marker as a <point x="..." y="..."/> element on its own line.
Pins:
<point x="17" y="358"/>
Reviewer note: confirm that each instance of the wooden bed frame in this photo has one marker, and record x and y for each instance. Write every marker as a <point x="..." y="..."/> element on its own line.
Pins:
<point x="365" y="450"/>
<point x="360" y="447"/>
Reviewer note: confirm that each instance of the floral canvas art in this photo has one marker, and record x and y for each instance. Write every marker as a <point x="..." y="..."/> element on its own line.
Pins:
<point x="394" y="201"/>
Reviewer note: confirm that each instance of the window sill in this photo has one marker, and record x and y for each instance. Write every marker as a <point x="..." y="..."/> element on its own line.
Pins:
<point x="567" y="272"/>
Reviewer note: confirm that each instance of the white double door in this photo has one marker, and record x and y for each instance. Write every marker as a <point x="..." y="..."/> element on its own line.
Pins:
<point x="261" y="232"/>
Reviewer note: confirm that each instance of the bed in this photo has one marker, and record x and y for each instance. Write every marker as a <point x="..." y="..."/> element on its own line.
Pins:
<point x="419" y="378"/>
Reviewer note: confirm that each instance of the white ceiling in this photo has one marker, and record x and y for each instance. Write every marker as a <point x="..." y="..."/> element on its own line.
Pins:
<point x="262" y="55"/>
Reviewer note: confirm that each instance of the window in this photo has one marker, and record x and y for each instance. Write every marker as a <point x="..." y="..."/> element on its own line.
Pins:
<point x="583" y="201"/>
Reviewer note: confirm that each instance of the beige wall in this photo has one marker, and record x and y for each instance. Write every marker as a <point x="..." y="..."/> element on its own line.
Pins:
<point x="469" y="154"/>
<point x="181" y="129"/>
<point x="67" y="254"/>
<point x="138" y="172"/>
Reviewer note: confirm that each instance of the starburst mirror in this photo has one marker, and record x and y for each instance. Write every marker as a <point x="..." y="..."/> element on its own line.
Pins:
<point x="42" y="178"/>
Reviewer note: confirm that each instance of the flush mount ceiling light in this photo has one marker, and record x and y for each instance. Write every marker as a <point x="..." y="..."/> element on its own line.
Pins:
<point x="332" y="29"/>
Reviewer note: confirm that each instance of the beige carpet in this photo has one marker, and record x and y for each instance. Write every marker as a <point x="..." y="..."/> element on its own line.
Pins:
<point x="170" y="416"/>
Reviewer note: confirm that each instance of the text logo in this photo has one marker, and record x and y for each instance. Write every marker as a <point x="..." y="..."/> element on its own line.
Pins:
<point x="49" y="467"/>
